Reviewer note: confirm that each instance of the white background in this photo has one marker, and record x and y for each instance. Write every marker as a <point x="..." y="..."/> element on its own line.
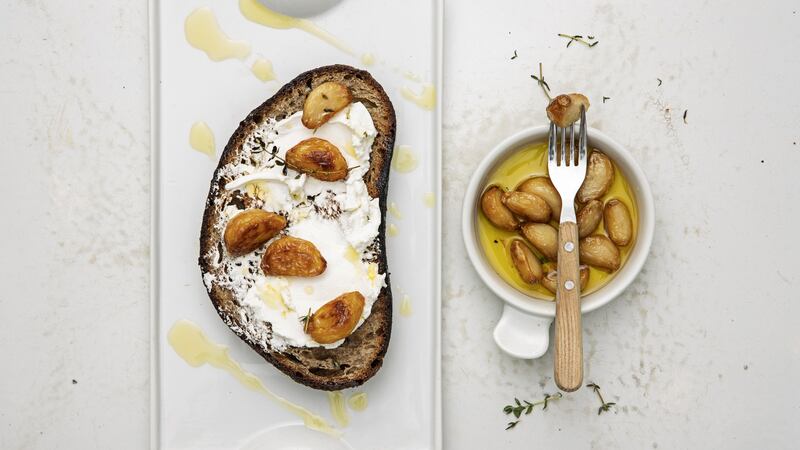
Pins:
<point x="702" y="351"/>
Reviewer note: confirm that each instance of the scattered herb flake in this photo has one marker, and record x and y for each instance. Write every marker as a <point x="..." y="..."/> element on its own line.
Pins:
<point x="659" y="81"/>
<point x="579" y="38"/>
<point x="606" y="98"/>
<point x="685" y="112"/>
<point x="543" y="84"/>
<point x="605" y="406"/>
<point x="512" y="424"/>
<point x="515" y="55"/>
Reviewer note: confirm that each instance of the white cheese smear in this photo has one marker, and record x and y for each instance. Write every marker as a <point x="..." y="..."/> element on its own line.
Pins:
<point x="343" y="238"/>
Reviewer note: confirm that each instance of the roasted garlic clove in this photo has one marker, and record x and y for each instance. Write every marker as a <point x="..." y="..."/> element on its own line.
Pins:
<point x="589" y="218"/>
<point x="494" y="209"/>
<point x="526" y="263"/>
<point x="336" y="319"/>
<point x="528" y="206"/>
<point x="600" y="252"/>
<point x="317" y="158"/>
<point x="294" y="257"/>
<point x="543" y="187"/>
<point x="599" y="176"/>
<point x="617" y="222"/>
<point x="550" y="280"/>
<point x="543" y="237"/>
<point x="323" y="102"/>
<point x="249" y="229"/>
<point x="565" y="109"/>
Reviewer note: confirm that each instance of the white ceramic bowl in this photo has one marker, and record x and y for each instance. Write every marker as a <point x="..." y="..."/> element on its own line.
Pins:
<point x="523" y="329"/>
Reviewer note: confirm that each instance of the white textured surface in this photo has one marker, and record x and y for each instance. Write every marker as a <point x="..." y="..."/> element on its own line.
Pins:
<point x="702" y="351"/>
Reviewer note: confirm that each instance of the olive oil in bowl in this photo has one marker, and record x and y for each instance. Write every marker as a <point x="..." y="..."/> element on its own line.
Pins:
<point x="527" y="162"/>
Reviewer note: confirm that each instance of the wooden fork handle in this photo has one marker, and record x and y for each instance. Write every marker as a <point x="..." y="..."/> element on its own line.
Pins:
<point x="569" y="342"/>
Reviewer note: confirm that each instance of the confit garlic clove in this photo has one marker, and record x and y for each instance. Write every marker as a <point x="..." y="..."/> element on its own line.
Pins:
<point x="598" y="251"/>
<point x="550" y="280"/>
<point x="251" y="228"/>
<point x="317" y="158"/>
<point x="599" y="176"/>
<point x="543" y="187"/>
<point x="617" y="222"/>
<point x="294" y="257"/>
<point x="543" y="237"/>
<point x="323" y="102"/>
<point x="565" y="109"/>
<point x="528" y="206"/>
<point x="494" y="209"/>
<point x="589" y="218"/>
<point x="526" y="263"/>
<point x="336" y="319"/>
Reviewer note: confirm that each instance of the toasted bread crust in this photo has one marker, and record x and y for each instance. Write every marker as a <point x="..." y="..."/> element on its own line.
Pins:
<point x="361" y="355"/>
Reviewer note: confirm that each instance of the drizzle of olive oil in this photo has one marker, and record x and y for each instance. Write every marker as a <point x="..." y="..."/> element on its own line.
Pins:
<point x="429" y="199"/>
<point x="203" y="33"/>
<point x="256" y="12"/>
<point x="338" y="410"/>
<point x="262" y="69"/>
<point x="358" y="402"/>
<point x="392" y="230"/>
<point x="394" y="210"/>
<point x="194" y="347"/>
<point x="426" y="99"/>
<point x="201" y="138"/>
<point x="527" y="162"/>
<point x="404" y="160"/>
<point x="367" y="59"/>
<point x="405" y="306"/>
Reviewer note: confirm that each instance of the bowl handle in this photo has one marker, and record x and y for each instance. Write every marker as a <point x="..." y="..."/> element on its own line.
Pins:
<point x="522" y="335"/>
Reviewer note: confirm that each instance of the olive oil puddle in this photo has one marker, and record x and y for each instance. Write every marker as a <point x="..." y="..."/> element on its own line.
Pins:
<point x="404" y="160"/>
<point x="194" y="347"/>
<point x="358" y="402"/>
<point x="256" y="12"/>
<point x="201" y="138"/>
<point x="527" y="162"/>
<point x="202" y="31"/>
<point x="338" y="409"/>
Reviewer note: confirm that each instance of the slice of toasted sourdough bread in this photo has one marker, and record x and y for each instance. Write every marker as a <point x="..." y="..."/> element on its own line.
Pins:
<point x="361" y="355"/>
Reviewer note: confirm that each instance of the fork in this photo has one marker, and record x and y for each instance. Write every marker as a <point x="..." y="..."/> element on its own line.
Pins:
<point x="567" y="171"/>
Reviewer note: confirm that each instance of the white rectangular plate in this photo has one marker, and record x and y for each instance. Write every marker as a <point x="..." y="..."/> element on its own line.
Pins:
<point x="199" y="408"/>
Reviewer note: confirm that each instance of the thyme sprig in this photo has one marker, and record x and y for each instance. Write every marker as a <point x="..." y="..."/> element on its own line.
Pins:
<point x="543" y="84"/>
<point x="305" y="320"/>
<point x="605" y="406"/>
<point x="525" y="407"/>
<point x="579" y="38"/>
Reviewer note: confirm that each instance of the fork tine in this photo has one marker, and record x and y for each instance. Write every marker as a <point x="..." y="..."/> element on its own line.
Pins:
<point x="571" y="158"/>
<point x="551" y="144"/>
<point x="563" y="155"/>
<point x="582" y="144"/>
